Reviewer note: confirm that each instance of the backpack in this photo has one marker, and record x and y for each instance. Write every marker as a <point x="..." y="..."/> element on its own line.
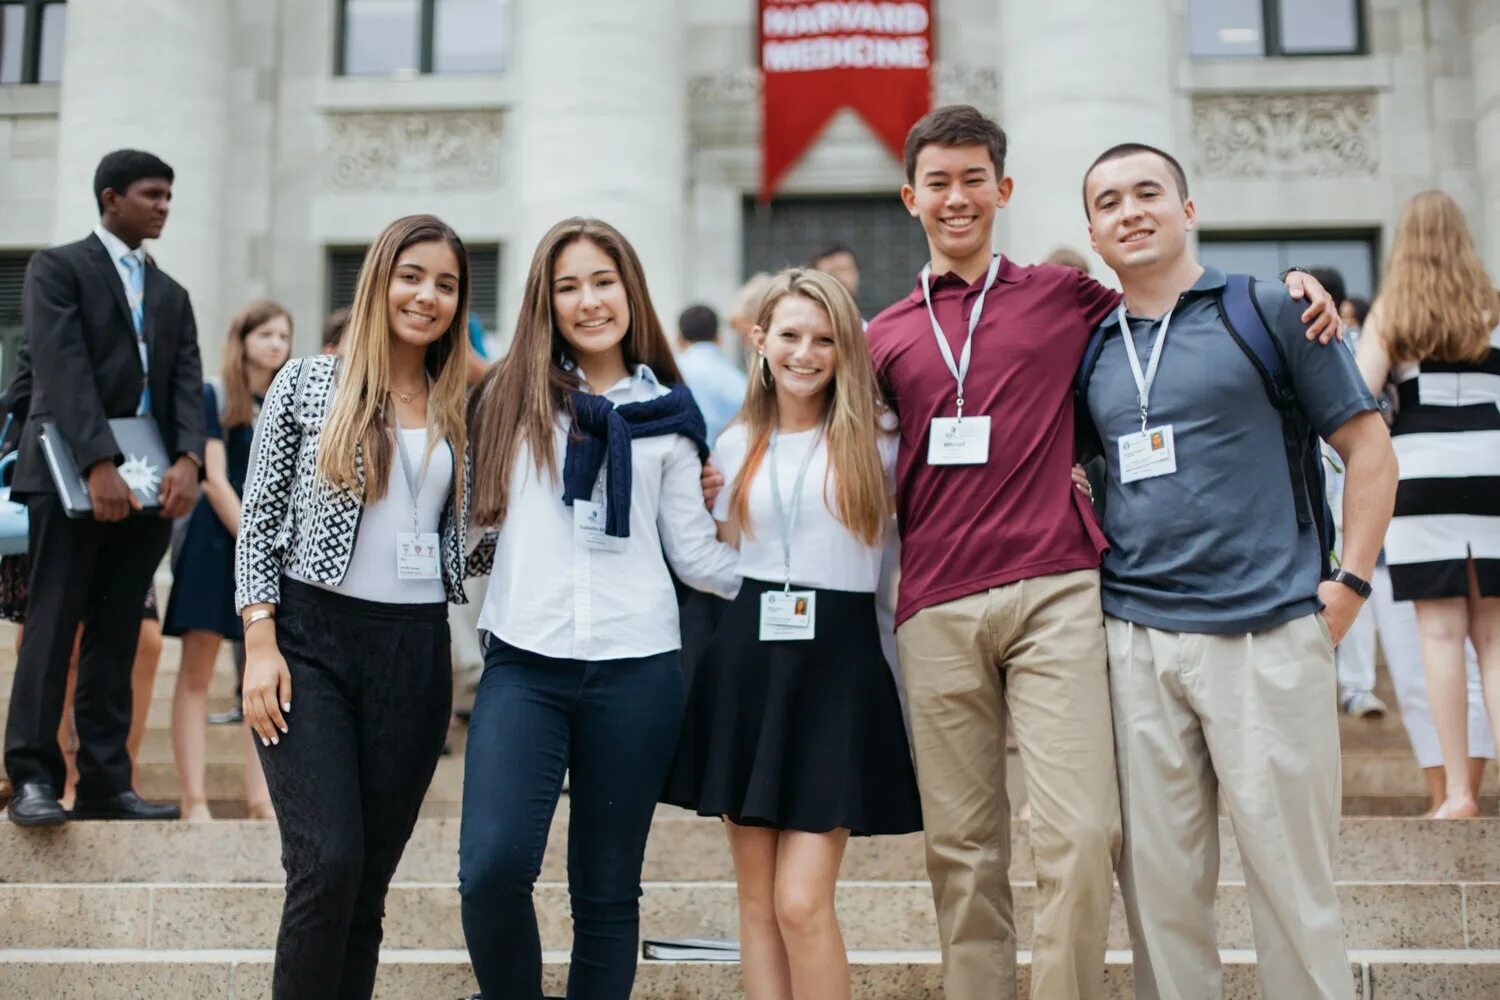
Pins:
<point x="1247" y="325"/>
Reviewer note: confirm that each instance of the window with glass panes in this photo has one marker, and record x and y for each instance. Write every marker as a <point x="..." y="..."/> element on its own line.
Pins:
<point x="1266" y="255"/>
<point x="12" y="278"/>
<point x="408" y="37"/>
<point x="31" y="40"/>
<point x="1276" y="27"/>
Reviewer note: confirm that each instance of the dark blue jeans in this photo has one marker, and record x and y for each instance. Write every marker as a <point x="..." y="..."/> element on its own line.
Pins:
<point x="612" y="725"/>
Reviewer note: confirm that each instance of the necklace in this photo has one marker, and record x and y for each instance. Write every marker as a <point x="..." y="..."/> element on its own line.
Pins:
<point x="407" y="397"/>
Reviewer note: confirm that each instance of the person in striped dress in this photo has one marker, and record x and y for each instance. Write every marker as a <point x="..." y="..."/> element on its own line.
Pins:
<point x="1433" y="334"/>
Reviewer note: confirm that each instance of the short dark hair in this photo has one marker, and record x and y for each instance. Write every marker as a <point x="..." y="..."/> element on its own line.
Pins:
<point x="831" y="249"/>
<point x="698" y="324"/>
<point x="122" y="168"/>
<point x="954" y="125"/>
<point x="1125" y="149"/>
<point x="1361" y="307"/>
<point x="334" y="327"/>
<point x="1332" y="280"/>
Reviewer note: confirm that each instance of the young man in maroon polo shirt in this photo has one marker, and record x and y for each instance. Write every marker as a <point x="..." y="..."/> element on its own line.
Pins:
<point x="999" y="593"/>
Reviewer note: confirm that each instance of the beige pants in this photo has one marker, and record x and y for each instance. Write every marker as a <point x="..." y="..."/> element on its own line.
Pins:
<point x="1254" y="716"/>
<point x="1037" y="645"/>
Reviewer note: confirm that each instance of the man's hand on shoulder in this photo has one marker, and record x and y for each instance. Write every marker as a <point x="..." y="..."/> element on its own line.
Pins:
<point x="1322" y="313"/>
<point x="108" y="492"/>
<point x="179" y="488"/>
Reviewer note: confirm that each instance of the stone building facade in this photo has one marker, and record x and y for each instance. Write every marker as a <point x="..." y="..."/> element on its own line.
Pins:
<point x="290" y="157"/>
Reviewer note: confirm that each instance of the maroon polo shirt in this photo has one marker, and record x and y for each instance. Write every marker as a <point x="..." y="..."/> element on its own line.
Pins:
<point x="967" y="528"/>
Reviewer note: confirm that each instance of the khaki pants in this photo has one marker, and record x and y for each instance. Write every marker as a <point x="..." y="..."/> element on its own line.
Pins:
<point x="1254" y="716"/>
<point x="1037" y="645"/>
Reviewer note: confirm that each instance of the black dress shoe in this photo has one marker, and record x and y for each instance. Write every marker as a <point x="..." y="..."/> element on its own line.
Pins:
<point x="35" y="804"/>
<point x="126" y="805"/>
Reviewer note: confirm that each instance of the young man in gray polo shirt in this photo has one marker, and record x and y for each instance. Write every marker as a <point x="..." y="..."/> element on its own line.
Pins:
<point x="1220" y="629"/>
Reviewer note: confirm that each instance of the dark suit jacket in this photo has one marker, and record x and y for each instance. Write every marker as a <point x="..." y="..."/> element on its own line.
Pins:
<point x="84" y="368"/>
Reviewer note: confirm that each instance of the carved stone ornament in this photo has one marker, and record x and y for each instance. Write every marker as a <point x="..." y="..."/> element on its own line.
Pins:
<point x="1286" y="135"/>
<point x="414" y="151"/>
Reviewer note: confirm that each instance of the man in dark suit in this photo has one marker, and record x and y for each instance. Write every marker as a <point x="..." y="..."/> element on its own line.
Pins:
<point x="109" y="335"/>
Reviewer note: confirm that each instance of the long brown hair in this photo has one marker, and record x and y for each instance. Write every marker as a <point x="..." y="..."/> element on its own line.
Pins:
<point x="239" y="401"/>
<point x="1436" y="300"/>
<point x="358" y="430"/>
<point x="520" y="398"/>
<point x="862" y="502"/>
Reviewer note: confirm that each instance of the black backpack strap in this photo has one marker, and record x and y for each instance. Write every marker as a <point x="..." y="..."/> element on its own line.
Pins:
<point x="1087" y="444"/>
<point x="1248" y="326"/>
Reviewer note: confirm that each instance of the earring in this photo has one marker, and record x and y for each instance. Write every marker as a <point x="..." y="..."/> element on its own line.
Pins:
<point x="765" y="372"/>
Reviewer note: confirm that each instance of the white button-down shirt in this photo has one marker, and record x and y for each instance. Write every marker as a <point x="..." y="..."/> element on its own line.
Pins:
<point x="118" y="251"/>
<point x="551" y="594"/>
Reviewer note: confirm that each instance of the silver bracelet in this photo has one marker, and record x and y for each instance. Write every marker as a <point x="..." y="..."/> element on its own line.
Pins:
<point x="256" y="616"/>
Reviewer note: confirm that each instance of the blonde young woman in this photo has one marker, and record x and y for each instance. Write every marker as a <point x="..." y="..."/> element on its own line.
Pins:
<point x="201" y="607"/>
<point x="589" y="456"/>
<point x="1433" y="333"/>
<point x="352" y="539"/>
<point x="794" y="732"/>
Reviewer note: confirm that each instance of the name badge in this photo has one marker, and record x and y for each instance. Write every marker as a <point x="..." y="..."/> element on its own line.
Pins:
<point x="417" y="555"/>
<point x="787" y="615"/>
<point x="951" y="441"/>
<point x="1147" y="454"/>
<point x="588" y="528"/>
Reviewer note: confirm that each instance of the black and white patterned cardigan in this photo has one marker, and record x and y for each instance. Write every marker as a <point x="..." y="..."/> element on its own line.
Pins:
<point x="292" y="518"/>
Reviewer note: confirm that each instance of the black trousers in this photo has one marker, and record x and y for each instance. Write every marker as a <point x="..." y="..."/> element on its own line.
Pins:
<point x="97" y="574"/>
<point x="372" y="689"/>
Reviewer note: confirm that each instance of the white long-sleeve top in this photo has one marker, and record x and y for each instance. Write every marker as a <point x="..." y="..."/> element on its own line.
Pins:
<point x="551" y="594"/>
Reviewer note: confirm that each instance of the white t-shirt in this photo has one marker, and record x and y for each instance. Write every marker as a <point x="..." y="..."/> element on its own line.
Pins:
<point x="371" y="575"/>
<point x="825" y="554"/>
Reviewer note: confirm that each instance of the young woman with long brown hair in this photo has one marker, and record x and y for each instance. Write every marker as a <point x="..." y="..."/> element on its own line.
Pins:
<point x="794" y="732"/>
<point x="1433" y="333"/>
<point x="352" y="540"/>
<point x="201" y="607"/>
<point x="589" y="453"/>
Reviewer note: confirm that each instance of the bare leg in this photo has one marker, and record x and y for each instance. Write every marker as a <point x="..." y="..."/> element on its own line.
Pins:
<point x="257" y="795"/>
<point x="1443" y="624"/>
<point x="763" y="961"/>
<point x="190" y="721"/>
<point x="1484" y="633"/>
<point x="67" y="735"/>
<point x="807" y="870"/>
<point x="142" y="684"/>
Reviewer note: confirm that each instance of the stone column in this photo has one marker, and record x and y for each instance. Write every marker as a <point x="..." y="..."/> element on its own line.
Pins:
<point x="152" y="75"/>
<point x="1485" y="30"/>
<point x="1078" y="76"/>
<point x="601" y="130"/>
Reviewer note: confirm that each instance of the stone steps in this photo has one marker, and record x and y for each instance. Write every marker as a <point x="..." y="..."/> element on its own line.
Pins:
<point x="682" y="847"/>
<point x="874" y="915"/>
<point x="125" y="974"/>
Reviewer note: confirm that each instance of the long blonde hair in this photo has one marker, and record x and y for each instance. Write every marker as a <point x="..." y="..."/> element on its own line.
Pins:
<point x="520" y="398"/>
<point x="358" y="430"/>
<point x="239" y="402"/>
<point x="861" y="501"/>
<point x="1436" y="300"/>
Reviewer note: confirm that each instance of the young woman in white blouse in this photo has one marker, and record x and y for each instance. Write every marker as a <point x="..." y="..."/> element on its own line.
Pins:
<point x="794" y="732"/>
<point x="589" y="453"/>
<point x="351" y="543"/>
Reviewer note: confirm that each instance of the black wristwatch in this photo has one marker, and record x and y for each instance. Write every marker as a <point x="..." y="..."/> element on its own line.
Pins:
<point x="1354" y="583"/>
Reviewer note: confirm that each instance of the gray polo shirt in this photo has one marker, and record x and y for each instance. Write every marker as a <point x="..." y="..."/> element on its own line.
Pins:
<point x="1215" y="546"/>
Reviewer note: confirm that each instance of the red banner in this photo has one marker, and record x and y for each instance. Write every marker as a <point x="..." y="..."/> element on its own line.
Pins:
<point x="817" y="56"/>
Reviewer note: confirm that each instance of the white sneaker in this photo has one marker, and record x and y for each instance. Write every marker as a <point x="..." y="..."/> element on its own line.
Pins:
<point x="1363" y="705"/>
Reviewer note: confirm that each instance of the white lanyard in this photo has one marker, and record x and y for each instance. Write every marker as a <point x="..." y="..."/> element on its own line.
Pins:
<point x="787" y="519"/>
<point x="960" y="369"/>
<point x="1143" y="381"/>
<point x="413" y="482"/>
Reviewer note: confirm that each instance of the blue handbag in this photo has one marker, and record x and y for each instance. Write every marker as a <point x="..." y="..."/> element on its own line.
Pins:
<point x="13" y="519"/>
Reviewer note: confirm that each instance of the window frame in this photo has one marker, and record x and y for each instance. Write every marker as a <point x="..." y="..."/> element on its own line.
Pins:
<point x="31" y="40"/>
<point x="1271" y="47"/>
<point x="426" y="42"/>
<point x="1371" y="236"/>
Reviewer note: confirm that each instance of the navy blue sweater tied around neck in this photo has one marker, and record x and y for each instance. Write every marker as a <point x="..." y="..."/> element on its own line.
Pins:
<point x="602" y="433"/>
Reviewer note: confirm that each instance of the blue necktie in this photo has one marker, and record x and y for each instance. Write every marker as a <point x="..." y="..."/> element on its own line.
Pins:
<point x="137" y="301"/>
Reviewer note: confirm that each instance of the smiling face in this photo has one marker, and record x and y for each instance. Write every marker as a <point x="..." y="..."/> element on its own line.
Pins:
<point x="589" y="303"/>
<point x="268" y="345"/>
<point x="1138" y="217"/>
<point x="424" y="292"/>
<point x="956" y="194"/>
<point x="799" y="347"/>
